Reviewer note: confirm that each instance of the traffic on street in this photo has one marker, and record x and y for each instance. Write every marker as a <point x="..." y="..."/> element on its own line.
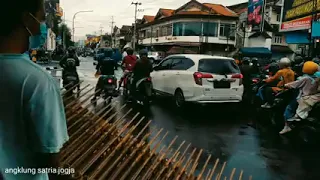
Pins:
<point x="227" y="132"/>
<point x="184" y="90"/>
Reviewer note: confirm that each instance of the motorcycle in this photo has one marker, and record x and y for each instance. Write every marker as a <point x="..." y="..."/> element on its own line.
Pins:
<point x="143" y="92"/>
<point x="70" y="82"/>
<point x="275" y="113"/>
<point x="308" y="130"/>
<point x="70" y="77"/>
<point x="109" y="87"/>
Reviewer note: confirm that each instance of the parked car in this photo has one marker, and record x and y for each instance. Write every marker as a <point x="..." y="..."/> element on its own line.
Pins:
<point x="154" y="57"/>
<point x="198" y="79"/>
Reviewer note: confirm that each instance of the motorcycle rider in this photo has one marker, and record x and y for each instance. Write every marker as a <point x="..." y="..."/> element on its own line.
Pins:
<point x="106" y="66"/>
<point x="69" y="63"/>
<point x="246" y="72"/>
<point x="285" y="75"/>
<point x="308" y="86"/>
<point x="142" y="69"/>
<point x="255" y="68"/>
<point x="128" y="62"/>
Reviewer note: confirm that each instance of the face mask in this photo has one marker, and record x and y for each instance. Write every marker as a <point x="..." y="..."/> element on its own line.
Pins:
<point x="36" y="41"/>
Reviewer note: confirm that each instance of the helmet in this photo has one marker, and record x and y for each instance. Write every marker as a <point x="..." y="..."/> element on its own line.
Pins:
<point x="316" y="60"/>
<point x="284" y="62"/>
<point x="71" y="50"/>
<point x="298" y="59"/>
<point x="254" y="60"/>
<point x="129" y="51"/>
<point x="108" y="52"/>
<point x="245" y="60"/>
<point x="143" y="52"/>
<point x="310" y="67"/>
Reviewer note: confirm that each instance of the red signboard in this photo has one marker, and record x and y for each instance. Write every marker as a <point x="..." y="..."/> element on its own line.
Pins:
<point x="297" y="24"/>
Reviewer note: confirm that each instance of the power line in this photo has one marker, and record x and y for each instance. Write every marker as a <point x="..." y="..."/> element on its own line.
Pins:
<point x="136" y="4"/>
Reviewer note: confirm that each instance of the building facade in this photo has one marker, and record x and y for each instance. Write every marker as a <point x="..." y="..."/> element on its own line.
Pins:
<point x="270" y="37"/>
<point x="192" y="28"/>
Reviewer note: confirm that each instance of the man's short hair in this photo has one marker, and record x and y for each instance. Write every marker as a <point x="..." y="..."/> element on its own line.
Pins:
<point x="11" y="15"/>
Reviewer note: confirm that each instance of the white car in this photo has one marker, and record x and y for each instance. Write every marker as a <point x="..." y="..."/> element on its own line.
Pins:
<point x="198" y="78"/>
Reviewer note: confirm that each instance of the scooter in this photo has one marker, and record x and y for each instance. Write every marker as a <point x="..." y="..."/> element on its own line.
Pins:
<point x="70" y="81"/>
<point x="308" y="130"/>
<point x="143" y="92"/>
<point x="109" y="87"/>
<point x="70" y="78"/>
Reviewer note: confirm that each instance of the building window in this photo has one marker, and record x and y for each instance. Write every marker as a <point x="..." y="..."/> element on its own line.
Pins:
<point x="169" y="30"/>
<point x="163" y="31"/>
<point x="210" y="29"/>
<point x="227" y="30"/>
<point x="277" y="39"/>
<point x="278" y="17"/>
<point x="148" y="33"/>
<point x="187" y="29"/>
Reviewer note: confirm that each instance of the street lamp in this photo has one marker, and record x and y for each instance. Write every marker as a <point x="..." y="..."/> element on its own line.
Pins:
<point x="74" y="17"/>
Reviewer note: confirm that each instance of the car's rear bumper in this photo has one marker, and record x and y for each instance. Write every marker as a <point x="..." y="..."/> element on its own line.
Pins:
<point x="215" y="99"/>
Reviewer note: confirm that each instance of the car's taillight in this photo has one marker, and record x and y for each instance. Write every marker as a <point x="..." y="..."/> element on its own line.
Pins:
<point x="238" y="76"/>
<point x="110" y="81"/>
<point x="199" y="76"/>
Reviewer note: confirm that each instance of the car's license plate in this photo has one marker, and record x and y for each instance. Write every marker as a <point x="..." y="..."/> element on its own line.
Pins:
<point x="221" y="84"/>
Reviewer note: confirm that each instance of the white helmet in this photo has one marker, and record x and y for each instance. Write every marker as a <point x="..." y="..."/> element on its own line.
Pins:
<point x="284" y="62"/>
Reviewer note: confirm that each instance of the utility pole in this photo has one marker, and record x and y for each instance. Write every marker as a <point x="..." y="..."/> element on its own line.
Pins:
<point x="135" y="23"/>
<point x="112" y="23"/>
<point x="64" y="31"/>
<point x="101" y="30"/>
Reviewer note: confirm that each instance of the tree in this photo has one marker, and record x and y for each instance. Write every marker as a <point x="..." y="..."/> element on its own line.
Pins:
<point x="64" y="29"/>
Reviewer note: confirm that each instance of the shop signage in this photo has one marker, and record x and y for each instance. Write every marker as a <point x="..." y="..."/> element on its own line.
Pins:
<point x="255" y="14"/>
<point x="297" y="14"/>
<point x="171" y="38"/>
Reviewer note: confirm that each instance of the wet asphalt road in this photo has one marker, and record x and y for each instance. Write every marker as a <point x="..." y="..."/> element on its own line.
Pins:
<point x="223" y="131"/>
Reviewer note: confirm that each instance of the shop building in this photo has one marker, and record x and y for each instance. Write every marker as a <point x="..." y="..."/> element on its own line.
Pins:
<point x="193" y="28"/>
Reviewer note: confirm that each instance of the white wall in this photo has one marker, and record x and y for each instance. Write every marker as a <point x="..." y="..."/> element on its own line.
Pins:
<point x="192" y="39"/>
<point x="258" y="42"/>
<point x="195" y="39"/>
<point x="51" y="40"/>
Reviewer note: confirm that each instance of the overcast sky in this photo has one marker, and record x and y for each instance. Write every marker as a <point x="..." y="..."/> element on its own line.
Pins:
<point x="122" y="10"/>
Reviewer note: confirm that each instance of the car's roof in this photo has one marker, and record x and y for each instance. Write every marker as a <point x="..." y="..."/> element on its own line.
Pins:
<point x="197" y="57"/>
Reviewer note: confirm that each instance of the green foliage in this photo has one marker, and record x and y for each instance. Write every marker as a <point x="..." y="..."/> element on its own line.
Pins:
<point x="64" y="29"/>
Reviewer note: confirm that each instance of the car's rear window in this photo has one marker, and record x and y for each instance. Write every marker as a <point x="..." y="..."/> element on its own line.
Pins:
<point x="218" y="66"/>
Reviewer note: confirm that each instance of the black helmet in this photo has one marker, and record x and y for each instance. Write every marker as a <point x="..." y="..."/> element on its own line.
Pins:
<point x="143" y="52"/>
<point x="129" y="51"/>
<point x="254" y="60"/>
<point x="246" y="60"/>
<point x="108" y="52"/>
<point x="71" y="50"/>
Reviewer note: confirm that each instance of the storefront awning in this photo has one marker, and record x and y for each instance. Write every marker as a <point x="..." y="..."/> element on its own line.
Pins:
<point x="298" y="37"/>
<point x="281" y="49"/>
<point x="255" y="51"/>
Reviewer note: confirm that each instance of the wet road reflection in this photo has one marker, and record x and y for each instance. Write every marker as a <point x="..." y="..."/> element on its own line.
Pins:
<point x="220" y="130"/>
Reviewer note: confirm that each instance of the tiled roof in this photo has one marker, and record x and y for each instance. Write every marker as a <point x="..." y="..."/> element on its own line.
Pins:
<point x="193" y="12"/>
<point x="218" y="9"/>
<point x="221" y="10"/>
<point x="148" y="18"/>
<point x="166" y="12"/>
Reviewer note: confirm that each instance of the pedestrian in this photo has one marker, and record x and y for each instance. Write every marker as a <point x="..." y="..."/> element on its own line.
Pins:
<point x="32" y="118"/>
